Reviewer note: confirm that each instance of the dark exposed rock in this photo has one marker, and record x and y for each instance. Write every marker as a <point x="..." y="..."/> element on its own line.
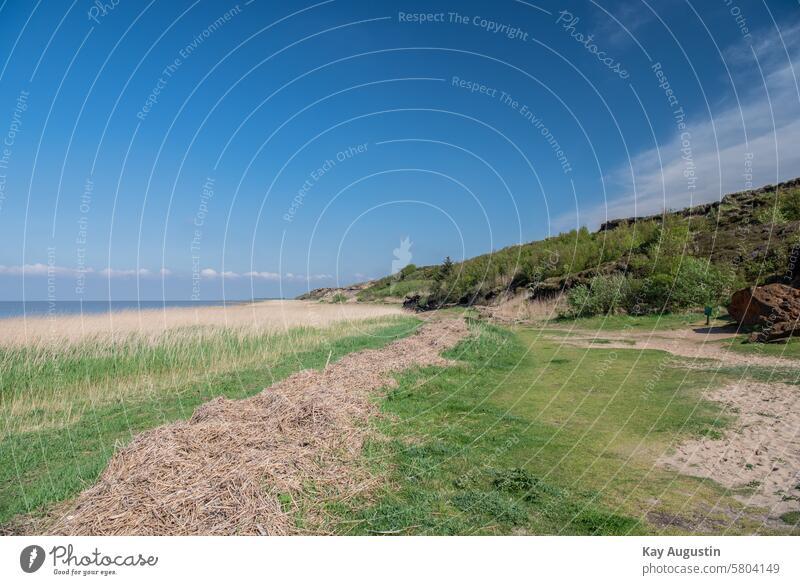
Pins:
<point x="552" y="287"/>
<point x="412" y="302"/>
<point x="775" y="307"/>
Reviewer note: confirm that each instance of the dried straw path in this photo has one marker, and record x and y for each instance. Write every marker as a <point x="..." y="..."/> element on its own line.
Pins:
<point x="238" y="467"/>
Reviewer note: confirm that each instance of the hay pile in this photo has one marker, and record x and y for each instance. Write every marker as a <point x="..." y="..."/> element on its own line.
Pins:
<point x="238" y="467"/>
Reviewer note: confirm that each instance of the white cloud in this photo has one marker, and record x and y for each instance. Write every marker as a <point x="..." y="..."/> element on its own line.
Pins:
<point x="264" y="275"/>
<point x="632" y="16"/>
<point x="39" y="269"/>
<point x="125" y="273"/>
<point x="211" y="273"/>
<point x="771" y="115"/>
<point x="769" y="47"/>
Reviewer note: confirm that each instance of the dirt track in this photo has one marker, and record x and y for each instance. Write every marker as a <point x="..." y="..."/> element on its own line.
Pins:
<point x="242" y="467"/>
<point x="681" y="342"/>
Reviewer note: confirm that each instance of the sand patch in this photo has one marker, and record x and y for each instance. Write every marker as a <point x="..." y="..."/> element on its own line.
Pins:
<point x="245" y="467"/>
<point x="759" y="452"/>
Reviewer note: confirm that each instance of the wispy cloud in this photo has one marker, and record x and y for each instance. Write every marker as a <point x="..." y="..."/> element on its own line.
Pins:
<point x="739" y="148"/>
<point x="632" y="16"/>
<point x="271" y="276"/>
<point x="125" y="273"/>
<point x="263" y="275"/>
<point x="39" y="269"/>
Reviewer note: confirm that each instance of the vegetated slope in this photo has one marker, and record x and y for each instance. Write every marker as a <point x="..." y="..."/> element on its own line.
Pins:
<point x="746" y="238"/>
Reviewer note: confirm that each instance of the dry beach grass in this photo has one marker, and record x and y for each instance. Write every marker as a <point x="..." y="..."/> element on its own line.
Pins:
<point x="256" y="317"/>
<point x="61" y="366"/>
<point x="67" y="401"/>
<point x="241" y="467"/>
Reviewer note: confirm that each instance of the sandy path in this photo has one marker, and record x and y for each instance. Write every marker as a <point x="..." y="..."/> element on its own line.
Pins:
<point x="246" y="317"/>
<point x="684" y="343"/>
<point x="761" y="451"/>
<point x="241" y="467"/>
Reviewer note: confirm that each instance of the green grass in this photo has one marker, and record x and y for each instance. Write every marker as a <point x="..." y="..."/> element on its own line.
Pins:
<point x="789" y="349"/>
<point x="792" y="518"/>
<point x="48" y="453"/>
<point x="393" y="288"/>
<point x="527" y="437"/>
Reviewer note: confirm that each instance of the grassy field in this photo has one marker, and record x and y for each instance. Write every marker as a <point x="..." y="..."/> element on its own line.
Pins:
<point x="527" y="437"/>
<point x="521" y="435"/>
<point x="790" y="348"/>
<point x="66" y="408"/>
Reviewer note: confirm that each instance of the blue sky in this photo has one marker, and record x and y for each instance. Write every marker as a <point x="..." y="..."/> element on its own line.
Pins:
<point x="205" y="149"/>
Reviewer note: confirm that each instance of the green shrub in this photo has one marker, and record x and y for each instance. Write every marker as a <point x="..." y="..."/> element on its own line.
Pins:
<point x="606" y="294"/>
<point x="670" y="245"/>
<point x="693" y="283"/>
<point x="649" y="295"/>
<point x="790" y="204"/>
<point x="339" y="298"/>
<point x="700" y="283"/>
<point x="770" y="215"/>
<point x="406" y="271"/>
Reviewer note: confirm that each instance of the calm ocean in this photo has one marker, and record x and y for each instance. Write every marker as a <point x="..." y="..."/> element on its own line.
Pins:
<point x="34" y="308"/>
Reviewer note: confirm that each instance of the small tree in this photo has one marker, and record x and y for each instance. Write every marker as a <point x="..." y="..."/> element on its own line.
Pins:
<point x="606" y="294"/>
<point x="670" y="246"/>
<point x="444" y="270"/>
<point x="694" y="283"/>
<point x="407" y="269"/>
<point x="447" y="266"/>
<point x="790" y="204"/>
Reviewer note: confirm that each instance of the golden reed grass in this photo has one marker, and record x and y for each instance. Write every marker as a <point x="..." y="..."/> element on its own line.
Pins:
<point x="256" y="317"/>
